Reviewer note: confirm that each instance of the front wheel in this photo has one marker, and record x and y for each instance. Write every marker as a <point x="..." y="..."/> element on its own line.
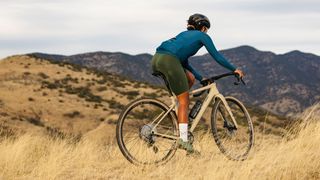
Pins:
<point x="234" y="142"/>
<point x="138" y="130"/>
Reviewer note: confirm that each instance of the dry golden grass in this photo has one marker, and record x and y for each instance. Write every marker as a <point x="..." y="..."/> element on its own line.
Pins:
<point x="296" y="156"/>
<point x="27" y="104"/>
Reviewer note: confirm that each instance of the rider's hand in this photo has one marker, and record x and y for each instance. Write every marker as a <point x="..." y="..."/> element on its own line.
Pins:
<point x="238" y="71"/>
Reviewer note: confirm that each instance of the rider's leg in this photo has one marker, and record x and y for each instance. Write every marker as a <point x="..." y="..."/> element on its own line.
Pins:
<point x="190" y="78"/>
<point x="183" y="143"/>
<point x="183" y="100"/>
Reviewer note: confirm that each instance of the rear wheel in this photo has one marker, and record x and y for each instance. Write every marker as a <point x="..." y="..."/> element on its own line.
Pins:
<point x="137" y="132"/>
<point x="234" y="142"/>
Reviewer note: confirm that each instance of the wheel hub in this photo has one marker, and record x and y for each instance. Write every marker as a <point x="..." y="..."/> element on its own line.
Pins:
<point x="229" y="126"/>
<point x="146" y="133"/>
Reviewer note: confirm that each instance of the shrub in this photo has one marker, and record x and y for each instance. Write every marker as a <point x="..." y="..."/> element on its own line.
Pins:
<point x="50" y="85"/>
<point x="1" y="103"/>
<point x="6" y="132"/>
<point x="102" y="81"/>
<point x="26" y="73"/>
<point x="110" y="121"/>
<point x="152" y="95"/>
<point x="132" y="93"/>
<point x="114" y="104"/>
<point x="35" y="121"/>
<point x="43" y="75"/>
<point x="102" y="88"/>
<point x="136" y="85"/>
<point x="55" y="133"/>
<point x="73" y="114"/>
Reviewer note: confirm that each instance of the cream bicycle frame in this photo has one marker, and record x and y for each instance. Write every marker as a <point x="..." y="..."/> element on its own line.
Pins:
<point x="212" y="95"/>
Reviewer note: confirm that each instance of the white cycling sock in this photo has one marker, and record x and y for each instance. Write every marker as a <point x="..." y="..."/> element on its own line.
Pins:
<point x="183" y="129"/>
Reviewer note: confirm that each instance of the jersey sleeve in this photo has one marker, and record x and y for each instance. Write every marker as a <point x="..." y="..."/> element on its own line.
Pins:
<point x="219" y="58"/>
<point x="193" y="71"/>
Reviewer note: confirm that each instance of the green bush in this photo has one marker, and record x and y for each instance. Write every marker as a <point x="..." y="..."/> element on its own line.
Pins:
<point x="102" y="88"/>
<point x="26" y="73"/>
<point x="6" y="132"/>
<point x="1" y="103"/>
<point x="43" y="75"/>
<point x="50" y="85"/>
<point x="73" y="114"/>
<point x="114" y="104"/>
<point x="35" y="121"/>
<point x="102" y="81"/>
<point x="152" y="95"/>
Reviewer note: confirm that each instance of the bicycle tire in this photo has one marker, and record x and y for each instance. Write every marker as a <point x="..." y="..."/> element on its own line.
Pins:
<point x="136" y="118"/>
<point x="228" y="139"/>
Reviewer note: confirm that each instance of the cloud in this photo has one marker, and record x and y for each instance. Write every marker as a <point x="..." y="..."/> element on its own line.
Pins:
<point x="138" y="26"/>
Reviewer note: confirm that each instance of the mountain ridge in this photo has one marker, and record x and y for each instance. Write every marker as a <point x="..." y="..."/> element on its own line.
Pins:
<point x="282" y="83"/>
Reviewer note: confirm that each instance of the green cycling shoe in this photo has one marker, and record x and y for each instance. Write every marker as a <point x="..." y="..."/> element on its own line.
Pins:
<point x="187" y="146"/>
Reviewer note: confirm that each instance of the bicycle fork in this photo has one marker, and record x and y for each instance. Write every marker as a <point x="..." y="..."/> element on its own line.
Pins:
<point x="228" y="109"/>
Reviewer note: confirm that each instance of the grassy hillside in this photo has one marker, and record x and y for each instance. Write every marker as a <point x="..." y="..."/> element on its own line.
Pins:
<point x="57" y="121"/>
<point x="294" y="157"/>
<point x="39" y="96"/>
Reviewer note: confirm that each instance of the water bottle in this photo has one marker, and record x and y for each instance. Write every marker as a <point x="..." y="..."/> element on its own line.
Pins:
<point x="195" y="109"/>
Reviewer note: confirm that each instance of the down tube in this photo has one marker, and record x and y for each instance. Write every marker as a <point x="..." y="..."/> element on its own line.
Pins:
<point x="213" y="92"/>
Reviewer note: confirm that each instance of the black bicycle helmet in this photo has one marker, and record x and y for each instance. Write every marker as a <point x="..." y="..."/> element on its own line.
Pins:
<point x="198" y="21"/>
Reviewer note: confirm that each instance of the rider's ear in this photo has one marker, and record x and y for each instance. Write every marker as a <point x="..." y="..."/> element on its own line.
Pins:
<point x="204" y="29"/>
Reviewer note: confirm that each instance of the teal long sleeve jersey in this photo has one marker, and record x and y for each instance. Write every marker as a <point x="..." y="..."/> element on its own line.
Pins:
<point x="187" y="44"/>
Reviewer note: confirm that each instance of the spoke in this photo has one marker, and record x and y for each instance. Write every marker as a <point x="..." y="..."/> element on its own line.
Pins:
<point x="138" y="121"/>
<point x="234" y="143"/>
<point x="134" y="140"/>
<point x="168" y="146"/>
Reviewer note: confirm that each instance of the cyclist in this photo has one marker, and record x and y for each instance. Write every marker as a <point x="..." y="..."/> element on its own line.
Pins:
<point x="171" y="59"/>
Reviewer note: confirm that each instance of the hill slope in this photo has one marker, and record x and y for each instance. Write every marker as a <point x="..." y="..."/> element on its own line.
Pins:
<point x="41" y="96"/>
<point x="284" y="84"/>
<point x="296" y="157"/>
<point x="37" y="95"/>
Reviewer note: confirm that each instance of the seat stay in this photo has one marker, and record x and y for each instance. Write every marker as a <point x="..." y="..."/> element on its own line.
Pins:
<point x="163" y="116"/>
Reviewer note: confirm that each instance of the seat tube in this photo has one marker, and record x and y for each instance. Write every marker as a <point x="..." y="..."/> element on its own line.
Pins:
<point x="175" y="103"/>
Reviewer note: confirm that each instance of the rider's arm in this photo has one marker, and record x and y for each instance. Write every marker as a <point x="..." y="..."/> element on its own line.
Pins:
<point x="207" y="42"/>
<point x="193" y="71"/>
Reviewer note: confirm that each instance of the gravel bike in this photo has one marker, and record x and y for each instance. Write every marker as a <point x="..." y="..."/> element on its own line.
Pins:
<point x="147" y="129"/>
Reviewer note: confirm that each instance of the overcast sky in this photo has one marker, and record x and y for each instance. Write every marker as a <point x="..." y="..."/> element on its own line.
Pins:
<point x="139" y="26"/>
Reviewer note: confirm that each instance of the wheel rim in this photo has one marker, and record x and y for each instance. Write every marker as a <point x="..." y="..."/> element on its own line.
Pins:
<point x="137" y="140"/>
<point x="235" y="143"/>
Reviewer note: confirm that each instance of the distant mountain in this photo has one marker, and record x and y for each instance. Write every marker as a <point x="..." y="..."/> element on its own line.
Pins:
<point x="65" y="100"/>
<point x="284" y="84"/>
